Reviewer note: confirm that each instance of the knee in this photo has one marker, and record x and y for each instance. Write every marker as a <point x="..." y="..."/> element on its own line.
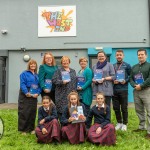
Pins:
<point x="55" y="121"/>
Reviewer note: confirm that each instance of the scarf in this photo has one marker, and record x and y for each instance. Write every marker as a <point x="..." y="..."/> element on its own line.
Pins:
<point x="101" y="65"/>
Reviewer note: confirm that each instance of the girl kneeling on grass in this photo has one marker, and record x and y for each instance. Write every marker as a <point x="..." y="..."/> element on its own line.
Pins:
<point x="72" y="121"/>
<point x="102" y="132"/>
<point x="48" y="129"/>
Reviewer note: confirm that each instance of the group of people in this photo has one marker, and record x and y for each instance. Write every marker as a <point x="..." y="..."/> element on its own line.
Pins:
<point x="65" y="94"/>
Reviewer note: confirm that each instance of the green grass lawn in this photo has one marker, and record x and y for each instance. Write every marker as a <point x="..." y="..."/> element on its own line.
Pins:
<point x="12" y="139"/>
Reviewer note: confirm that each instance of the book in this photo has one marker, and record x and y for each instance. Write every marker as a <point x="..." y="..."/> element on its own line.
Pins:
<point x="65" y="75"/>
<point x="120" y="75"/>
<point x="138" y="78"/>
<point x="77" y="113"/>
<point x="33" y="89"/>
<point x="48" y="84"/>
<point x="80" y="81"/>
<point x="98" y="74"/>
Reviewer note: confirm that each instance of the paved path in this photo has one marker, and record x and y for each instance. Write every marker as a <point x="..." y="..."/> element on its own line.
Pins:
<point x="15" y="105"/>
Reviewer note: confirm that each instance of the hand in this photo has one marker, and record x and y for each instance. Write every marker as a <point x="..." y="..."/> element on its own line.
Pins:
<point x="28" y="95"/>
<point x="35" y="95"/>
<point x="44" y="131"/>
<point x="98" y="131"/>
<point x="123" y="82"/>
<point x="94" y="81"/>
<point x="42" y="121"/>
<point x="65" y="81"/>
<point x="79" y="88"/>
<point x="46" y="91"/>
<point x="71" y="119"/>
<point x="101" y="81"/>
<point x="116" y="82"/>
<point x="137" y="87"/>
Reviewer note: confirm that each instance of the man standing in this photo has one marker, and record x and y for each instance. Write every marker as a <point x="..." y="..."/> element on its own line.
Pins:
<point x="140" y="81"/>
<point x="120" y="98"/>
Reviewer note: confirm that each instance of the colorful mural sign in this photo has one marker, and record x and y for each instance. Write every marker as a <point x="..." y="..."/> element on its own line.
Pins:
<point x="56" y="21"/>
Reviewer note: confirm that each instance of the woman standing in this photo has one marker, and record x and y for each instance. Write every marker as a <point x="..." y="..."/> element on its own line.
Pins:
<point x="105" y="84"/>
<point x="63" y="86"/>
<point x="85" y="91"/>
<point x="27" y="103"/>
<point x="46" y="72"/>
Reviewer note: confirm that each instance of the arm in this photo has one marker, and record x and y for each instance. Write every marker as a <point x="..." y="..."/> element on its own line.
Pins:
<point x="52" y="116"/>
<point x="65" y="117"/>
<point x="40" y="117"/>
<point x="57" y="78"/>
<point x="88" y="78"/>
<point x="23" y="82"/>
<point x="42" y="76"/>
<point x="107" y="118"/>
<point x="128" y="73"/>
<point x="132" y="83"/>
<point x="111" y="73"/>
<point x="89" y="119"/>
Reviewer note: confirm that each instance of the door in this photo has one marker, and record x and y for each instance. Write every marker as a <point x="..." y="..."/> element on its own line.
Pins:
<point x="2" y="79"/>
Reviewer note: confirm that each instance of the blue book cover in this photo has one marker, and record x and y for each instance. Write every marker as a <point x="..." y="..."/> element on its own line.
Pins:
<point x="33" y="89"/>
<point x="98" y="74"/>
<point x="48" y="84"/>
<point x="80" y="81"/>
<point x="138" y="78"/>
<point x="120" y="75"/>
<point x="65" y="75"/>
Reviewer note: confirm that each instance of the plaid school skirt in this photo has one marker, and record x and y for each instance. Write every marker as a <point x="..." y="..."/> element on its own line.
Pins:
<point x="74" y="133"/>
<point x="53" y="129"/>
<point x="106" y="137"/>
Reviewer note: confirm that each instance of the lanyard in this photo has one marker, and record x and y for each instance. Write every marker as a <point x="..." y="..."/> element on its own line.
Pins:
<point x="118" y="68"/>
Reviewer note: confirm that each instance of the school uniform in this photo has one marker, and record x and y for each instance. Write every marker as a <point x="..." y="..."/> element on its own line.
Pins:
<point x="51" y="125"/>
<point x="74" y="133"/>
<point x="107" y="135"/>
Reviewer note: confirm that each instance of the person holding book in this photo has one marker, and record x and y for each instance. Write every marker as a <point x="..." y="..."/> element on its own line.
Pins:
<point x="140" y="81"/>
<point x="102" y="132"/>
<point x="104" y="74"/>
<point x="84" y="81"/>
<point x="65" y="81"/>
<point x="72" y="120"/>
<point x="48" y="129"/>
<point x="120" y="97"/>
<point x="27" y="101"/>
<point x="46" y="72"/>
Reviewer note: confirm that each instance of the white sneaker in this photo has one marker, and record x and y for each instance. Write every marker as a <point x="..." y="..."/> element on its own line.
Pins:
<point x="118" y="126"/>
<point x="124" y="127"/>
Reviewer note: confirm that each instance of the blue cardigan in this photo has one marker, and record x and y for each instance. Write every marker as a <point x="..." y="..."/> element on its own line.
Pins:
<point x="87" y="88"/>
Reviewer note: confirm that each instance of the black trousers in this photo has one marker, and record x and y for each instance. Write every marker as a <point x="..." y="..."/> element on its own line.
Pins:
<point x="120" y="105"/>
<point x="87" y="108"/>
<point x="51" y="95"/>
<point x="27" y="107"/>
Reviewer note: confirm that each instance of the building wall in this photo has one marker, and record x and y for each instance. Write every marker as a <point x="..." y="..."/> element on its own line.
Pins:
<point x="100" y="23"/>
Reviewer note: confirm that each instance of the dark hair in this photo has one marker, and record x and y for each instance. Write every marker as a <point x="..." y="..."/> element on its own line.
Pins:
<point x="102" y="53"/>
<point x="101" y="93"/>
<point x="51" y="106"/>
<point x="120" y="50"/>
<point x="142" y="49"/>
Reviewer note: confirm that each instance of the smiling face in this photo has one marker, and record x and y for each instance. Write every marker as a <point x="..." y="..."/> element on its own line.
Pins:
<point x="73" y="99"/>
<point x="119" y="56"/>
<point x="83" y="63"/>
<point x="32" y="67"/>
<point x="48" y="59"/>
<point x="101" y="57"/>
<point x="142" y="56"/>
<point x="65" y="63"/>
<point x="100" y="99"/>
<point x="45" y="103"/>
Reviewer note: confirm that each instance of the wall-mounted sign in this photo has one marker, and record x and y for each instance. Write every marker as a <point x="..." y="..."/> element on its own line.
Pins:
<point x="56" y="21"/>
